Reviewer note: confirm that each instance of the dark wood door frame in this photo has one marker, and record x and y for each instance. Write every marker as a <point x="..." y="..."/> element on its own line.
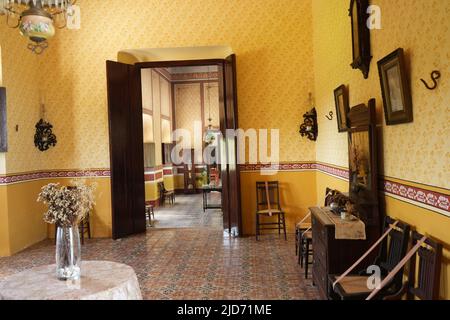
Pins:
<point x="126" y="152"/>
<point x="228" y="120"/>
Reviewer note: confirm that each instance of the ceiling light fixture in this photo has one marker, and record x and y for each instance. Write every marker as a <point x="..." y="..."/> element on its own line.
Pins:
<point x="37" y="19"/>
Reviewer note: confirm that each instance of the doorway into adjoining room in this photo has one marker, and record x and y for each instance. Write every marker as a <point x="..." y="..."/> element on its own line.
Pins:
<point x="150" y="189"/>
<point x="181" y="115"/>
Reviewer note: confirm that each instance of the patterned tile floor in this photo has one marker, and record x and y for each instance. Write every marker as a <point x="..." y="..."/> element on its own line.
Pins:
<point x="188" y="212"/>
<point x="192" y="262"/>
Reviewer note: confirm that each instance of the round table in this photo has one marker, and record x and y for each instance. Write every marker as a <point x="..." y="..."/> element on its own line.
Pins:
<point x="100" y="280"/>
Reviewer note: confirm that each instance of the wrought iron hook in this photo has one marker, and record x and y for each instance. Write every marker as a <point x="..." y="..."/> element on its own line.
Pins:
<point x="435" y="75"/>
<point x="330" y="117"/>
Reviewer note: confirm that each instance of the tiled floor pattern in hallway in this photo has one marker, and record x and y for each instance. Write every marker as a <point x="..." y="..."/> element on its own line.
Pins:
<point x="192" y="263"/>
<point x="187" y="211"/>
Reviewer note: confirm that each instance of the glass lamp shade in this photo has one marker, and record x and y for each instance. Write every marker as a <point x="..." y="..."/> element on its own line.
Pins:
<point x="36" y="27"/>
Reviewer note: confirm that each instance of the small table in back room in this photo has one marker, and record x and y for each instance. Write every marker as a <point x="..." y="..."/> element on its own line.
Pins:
<point x="208" y="189"/>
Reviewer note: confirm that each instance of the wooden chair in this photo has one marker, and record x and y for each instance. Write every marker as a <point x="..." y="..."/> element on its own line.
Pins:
<point x="306" y="251"/>
<point x="84" y="227"/>
<point x="425" y="284"/>
<point x="262" y="208"/>
<point x="304" y="236"/>
<point x="164" y="194"/>
<point x="392" y="250"/>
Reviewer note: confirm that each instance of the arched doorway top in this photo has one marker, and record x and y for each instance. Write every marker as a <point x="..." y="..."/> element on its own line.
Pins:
<point x="133" y="56"/>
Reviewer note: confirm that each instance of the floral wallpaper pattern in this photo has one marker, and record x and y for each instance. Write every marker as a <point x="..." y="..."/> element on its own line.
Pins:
<point x="275" y="71"/>
<point x="415" y="151"/>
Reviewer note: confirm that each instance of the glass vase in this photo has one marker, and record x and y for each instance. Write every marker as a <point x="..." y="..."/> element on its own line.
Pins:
<point x="68" y="253"/>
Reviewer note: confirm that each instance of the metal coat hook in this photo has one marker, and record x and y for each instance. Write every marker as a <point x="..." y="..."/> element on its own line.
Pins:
<point x="435" y="75"/>
<point x="330" y="117"/>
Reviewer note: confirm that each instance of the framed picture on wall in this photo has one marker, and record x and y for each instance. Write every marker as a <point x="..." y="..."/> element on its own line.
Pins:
<point x="3" y="128"/>
<point x="395" y="89"/>
<point x="360" y="36"/>
<point x="342" y="107"/>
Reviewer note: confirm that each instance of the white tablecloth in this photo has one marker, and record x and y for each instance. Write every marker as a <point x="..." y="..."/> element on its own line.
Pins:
<point x="100" y="280"/>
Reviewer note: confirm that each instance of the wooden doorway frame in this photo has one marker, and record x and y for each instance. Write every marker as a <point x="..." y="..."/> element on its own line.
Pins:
<point x="228" y="120"/>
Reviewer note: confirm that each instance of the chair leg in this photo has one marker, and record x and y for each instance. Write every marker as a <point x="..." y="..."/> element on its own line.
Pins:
<point x="257" y="227"/>
<point x="82" y="232"/>
<point x="300" y="250"/>
<point x="279" y="224"/>
<point x="89" y="228"/>
<point x="284" y="227"/>
<point x="296" y="241"/>
<point x="306" y="259"/>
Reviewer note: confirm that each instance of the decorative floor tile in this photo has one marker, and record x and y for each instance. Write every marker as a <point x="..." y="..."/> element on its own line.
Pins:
<point x="192" y="264"/>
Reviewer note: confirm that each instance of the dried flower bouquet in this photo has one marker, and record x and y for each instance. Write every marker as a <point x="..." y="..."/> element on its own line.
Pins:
<point x="67" y="205"/>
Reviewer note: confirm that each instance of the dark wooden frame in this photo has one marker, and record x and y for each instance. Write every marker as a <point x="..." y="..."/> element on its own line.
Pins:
<point x="342" y="91"/>
<point x="126" y="152"/>
<point x="362" y="118"/>
<point x="361" y="52"/>
<point x="395" y="59"/>
<point x="3" y="123"/>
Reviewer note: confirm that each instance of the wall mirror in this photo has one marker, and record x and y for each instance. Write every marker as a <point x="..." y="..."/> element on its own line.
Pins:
<point x="360" y="36"/>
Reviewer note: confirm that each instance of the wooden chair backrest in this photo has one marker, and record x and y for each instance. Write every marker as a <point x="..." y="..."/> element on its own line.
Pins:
<point x="425" y="283"/>
<point x="261" y="195"/>
<point x="393" y="249"/>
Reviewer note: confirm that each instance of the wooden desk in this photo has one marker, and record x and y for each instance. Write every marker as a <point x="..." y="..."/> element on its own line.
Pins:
<point x="209" y="189"/>
<point x="331" y="256"/>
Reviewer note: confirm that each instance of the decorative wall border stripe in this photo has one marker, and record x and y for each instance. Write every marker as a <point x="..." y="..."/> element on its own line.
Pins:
<point x="299" y="166"/>
<point x="32" y="176"/>
<point x="334" y="171"/>
<point x="421" y="197"/>
<point x="428" y="199"/>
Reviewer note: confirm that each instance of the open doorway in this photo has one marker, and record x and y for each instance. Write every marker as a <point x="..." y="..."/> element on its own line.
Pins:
<point x="183" y="186"/>
<point x="127" y="116"/>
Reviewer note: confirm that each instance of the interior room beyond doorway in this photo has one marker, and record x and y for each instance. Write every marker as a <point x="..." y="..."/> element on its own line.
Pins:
<point x="182" y="192"/>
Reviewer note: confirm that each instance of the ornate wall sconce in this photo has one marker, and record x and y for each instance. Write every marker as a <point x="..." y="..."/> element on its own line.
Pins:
<point x="309" y="126"/>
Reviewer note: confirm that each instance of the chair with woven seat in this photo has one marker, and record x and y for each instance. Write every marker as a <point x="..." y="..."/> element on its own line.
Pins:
<point x="392" y="250"/>
<point x="424" y="272"/>
<point x="303" y="226"/>
<point x="268" y="205"/>
<point x="306" y="251"/>
<point x="165" y="194"/>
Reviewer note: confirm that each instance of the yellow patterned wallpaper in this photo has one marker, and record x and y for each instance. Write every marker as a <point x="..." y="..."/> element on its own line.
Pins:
<point x="416" y="151"/>
<point x="21" y="79"/>
<point x="272" y="40"/>
<point x="187" y="107"/>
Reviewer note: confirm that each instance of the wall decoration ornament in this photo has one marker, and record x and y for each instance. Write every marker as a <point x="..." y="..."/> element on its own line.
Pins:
<point x="342" y="107"/>
<point x="309" y="126"/>
<point x="44" y="138"/>
<point x="435" y="75"/>
<point x="3" y="126"/>
<point x="395" y="88"/>
<point x="360" y="36"/>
